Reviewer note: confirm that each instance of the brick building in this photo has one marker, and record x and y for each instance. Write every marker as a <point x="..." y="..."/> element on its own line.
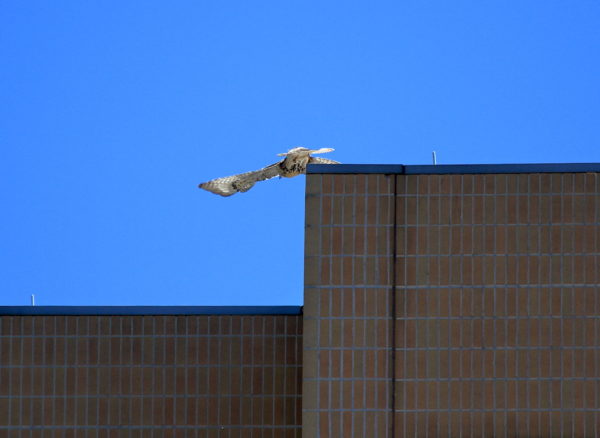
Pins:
<point x="439" y="301"/>
<point x="150" y="372"/>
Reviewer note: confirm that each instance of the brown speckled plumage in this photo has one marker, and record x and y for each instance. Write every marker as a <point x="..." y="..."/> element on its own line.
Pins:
<point x="293" y="164"/>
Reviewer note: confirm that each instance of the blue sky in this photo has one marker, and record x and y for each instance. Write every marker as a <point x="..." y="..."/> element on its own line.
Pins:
<point x="112" y="112"/>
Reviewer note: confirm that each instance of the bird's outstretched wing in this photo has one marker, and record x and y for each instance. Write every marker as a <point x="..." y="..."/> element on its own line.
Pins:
<point x="230" y="185"/>
<point x="319" y="160"/>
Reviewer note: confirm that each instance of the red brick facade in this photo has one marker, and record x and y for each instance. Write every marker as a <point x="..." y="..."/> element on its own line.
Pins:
<point x="435" y="305"/>
<point x="452" y="305"/>
<point x="150" y="376"/>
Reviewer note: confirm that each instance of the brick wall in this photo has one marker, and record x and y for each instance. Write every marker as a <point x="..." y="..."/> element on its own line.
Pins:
<point x="138" y="376"/>
<point x="452" y="305"/>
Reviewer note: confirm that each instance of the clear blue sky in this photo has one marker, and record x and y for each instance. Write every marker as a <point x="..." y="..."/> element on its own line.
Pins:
<point x="111" y="113"/>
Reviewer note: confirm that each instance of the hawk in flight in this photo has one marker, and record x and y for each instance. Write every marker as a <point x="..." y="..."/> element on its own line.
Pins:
<point x="293" y="164"/>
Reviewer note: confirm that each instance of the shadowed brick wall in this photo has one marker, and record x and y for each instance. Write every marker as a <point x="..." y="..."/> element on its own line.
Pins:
<point x="347" y="306"/>
<point x="454" y="305"/>
<point x="150" y="376"/>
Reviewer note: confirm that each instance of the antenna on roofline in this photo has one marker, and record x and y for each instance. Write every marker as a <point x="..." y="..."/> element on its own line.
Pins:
<point x="32" y="299"/>
<point x="434" y="158"/>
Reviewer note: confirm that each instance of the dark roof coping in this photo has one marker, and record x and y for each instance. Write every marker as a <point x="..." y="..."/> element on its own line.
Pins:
<point x="150" y="310"/>
<point x="446" y="169"/>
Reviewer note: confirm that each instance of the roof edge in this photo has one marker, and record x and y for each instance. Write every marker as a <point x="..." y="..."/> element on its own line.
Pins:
<point x="148" y="310"/>
<point x="447" y="169"/>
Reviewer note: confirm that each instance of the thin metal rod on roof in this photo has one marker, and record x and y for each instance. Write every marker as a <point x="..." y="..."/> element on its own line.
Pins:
<point x="32" y="300"/>
<point x="434" y="158"/>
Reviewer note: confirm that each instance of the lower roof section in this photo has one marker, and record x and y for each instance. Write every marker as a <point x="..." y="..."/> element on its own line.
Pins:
<point x="448" y="169"/>
<point x="150" y="310"/>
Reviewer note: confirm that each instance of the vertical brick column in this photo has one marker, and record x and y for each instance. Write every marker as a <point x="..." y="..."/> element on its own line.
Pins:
<point x="347" y="372"/>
